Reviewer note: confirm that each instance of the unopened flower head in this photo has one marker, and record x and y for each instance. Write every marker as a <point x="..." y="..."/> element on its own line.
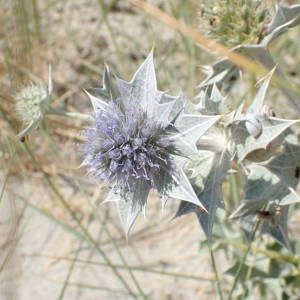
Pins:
<point x="125" y="145"/>
<point x="32" y="104"/>
<point x="234" y="22"/>
<point x="29" y="103"/>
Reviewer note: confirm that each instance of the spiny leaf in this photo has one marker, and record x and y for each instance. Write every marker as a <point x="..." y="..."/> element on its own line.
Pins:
<point x="100" y="96"/>
<point x="97" y="103"/>
<point x="222" y="73"/>
<point x="244" y="143"/>
<point x="283" y="15"/>
<point x="211" y="103"/>
<point x="278" y="229"/>
<point x="175" y="184"/>
<point x="270" y="188"/>
<point x="131" y="203"/>
<point x="163" y="110"/>
<point x="207" y="170"/>
<point x="142" y="89"/>
<point x="191" y="128"/>
<point x="258" y="101"/>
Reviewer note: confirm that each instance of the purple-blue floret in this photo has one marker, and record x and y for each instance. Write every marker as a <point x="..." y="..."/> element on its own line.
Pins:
<point x="126" y="145"/>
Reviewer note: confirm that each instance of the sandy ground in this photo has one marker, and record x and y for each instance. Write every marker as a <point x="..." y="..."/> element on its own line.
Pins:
<point x="38" y="253"/>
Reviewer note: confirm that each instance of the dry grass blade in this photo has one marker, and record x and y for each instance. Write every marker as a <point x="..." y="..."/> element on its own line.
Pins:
<point x="204" y="42"/>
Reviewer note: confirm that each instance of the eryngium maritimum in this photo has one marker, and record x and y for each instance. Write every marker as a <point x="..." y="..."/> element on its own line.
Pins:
<point x="139" y="140"/>
<point x="32" y="104"/>
<point x="125" y="146"/>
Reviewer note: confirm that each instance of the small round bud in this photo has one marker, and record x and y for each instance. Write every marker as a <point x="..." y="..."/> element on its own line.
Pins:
<point x="253" y="124"/>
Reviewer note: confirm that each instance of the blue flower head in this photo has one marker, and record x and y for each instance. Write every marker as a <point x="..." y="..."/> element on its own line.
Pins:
<point x="139" y="140"/>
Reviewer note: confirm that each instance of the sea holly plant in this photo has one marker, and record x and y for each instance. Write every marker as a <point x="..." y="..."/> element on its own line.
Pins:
<point x="32" y="104"/>
<point x="139" y="140"/>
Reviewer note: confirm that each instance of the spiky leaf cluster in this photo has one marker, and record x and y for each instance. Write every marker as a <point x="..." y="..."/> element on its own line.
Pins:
<point x="256" y="137"/>
<point x="255" y="142"/>
<point x="139" y="140"/>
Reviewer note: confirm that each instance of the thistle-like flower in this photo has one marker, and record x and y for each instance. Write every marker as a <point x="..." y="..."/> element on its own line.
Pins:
<point x="127" y="145"/>
<point x="32" y="104"/>
<point x="139" y="140"/>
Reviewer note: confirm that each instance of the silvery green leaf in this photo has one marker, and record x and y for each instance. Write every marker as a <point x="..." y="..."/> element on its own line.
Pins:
<point x="207" y="171"/>
<point x="191" y="128"/>
<point x="97" y="103"/>
<point x="283" y="15"/>
<point x="108" y="90"/>
<point x="273" y="181"/>
<point x="222" y="73"/>
<point x="142" y="88"/>
<point x="247" y="224"/>
<point x="264" y="185"/>
<point x="238" y="113"/>
<point x="181" y="105"/>
<point x="127" y="213"/>
<point x="258" y="101"/>
<point x="130" y="204"/>
<point x="113" y="196"/>
<point x="211" y="103"/>
<point x="219" y="100"/>
<point x="249" y="207"/>
<point x="285" y="166"/>
<point x="279" y="229"/>
<point x="174" y="183"/>
<point x="225" y="73"/>
<point x="163" y="110"/>
<point x="245" y="143"/>
<point x="215" y="140"/>
<point x="279" y="31"/>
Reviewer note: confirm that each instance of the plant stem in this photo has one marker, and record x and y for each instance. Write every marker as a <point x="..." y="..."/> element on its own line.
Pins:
<point x="213" y="261"/>
<point x="69" y="114"/>
<point x="242" y="263"/>
<point x="66" y="283"/>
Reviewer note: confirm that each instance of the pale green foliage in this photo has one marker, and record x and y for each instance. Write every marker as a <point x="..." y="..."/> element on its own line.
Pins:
<point x="268" y="145"/>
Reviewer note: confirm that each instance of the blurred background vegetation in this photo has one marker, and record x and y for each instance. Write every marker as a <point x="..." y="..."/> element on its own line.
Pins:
<point x="55" y="244"/>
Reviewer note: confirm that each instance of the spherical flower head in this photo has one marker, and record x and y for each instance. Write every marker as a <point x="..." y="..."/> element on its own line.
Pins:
<point x="32" y="104"/>
<point x="234" y="22"/>
<point x="125" y="145"/>
<point x="28" y="103"/>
